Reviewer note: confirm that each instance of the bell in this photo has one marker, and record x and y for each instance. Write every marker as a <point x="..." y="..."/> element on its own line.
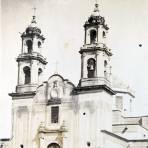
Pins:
<point x="91" y="67"/>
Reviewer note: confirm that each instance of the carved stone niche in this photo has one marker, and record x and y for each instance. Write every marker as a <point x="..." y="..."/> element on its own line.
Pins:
<point x="54" y="94"/>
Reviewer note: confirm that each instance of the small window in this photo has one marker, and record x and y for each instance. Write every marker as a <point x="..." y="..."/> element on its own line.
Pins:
<point x="27" y="74"/>
<point x="105" y="66"/>
<point x="40" y="71"/>
<point x="105" y="74"/>
<point x="39" y="44"/>
<point x="93" y="35"/>
<point x="105" y="63"/>
<point x="29" y="45"/>
<point x="54" y="114"/>
<point x="104" y="34"/>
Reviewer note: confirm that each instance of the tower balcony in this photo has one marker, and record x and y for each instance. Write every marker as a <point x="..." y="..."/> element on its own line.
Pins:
<point x="26" y="88"/>
<point x="94" y="84"/>
<point x="94" y="81"/>
<point x="31" y="56"/>
<point x="95" y="47"/>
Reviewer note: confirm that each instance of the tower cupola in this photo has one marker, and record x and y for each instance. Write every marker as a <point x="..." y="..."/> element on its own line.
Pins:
<point x="95" y="28"/>
<point x="33" y="29"/>
<point x="30" y="35"/>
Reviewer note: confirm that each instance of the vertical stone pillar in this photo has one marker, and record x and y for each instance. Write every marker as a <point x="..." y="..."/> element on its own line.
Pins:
<point x="100" y="64"/>
<point x="18" y="77"/>
<point x="34" y="72"/>
<point x="82" y="65"/>
<point x="35" y="45"/>
<point x="21" y="76"/>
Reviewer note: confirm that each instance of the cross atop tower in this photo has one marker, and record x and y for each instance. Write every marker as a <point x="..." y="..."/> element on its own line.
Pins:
<point x="96" y="6"/>
<point x="34" y="11"/>
<point x="96" y="2"/>
<point x="34" y="16"/>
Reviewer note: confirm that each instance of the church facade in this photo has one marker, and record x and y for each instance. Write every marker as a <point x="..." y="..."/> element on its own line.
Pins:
<point x="57" y="114"/>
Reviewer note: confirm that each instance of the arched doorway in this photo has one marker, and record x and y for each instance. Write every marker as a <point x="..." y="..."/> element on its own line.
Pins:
<point x="53" y="145"/>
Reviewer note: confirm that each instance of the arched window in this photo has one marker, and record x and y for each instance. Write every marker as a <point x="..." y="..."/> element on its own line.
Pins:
<point x="39" y="44"/>
<point x="29" y="45"/>
<point x="27" y="74"/>
<point x="40" y="71"/>
<point x="91" y="67"/>
<point x="93" y="35"/>
<point x="53" y="145"/>
<point x="105" y="67"/>
<point x="104" y="34"/>
<point x="105" y="63"/>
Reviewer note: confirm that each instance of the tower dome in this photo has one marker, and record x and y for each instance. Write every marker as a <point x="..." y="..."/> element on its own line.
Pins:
<point x="96" y="18"/>
<point x="33" y="29"/>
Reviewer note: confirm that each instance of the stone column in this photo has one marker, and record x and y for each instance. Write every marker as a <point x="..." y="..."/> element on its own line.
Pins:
<point x="20" y="74"/>
<point x="35" y="45"/>
<point x="34" y="72"/>
<point x="99" y="64"/>
<point x="82" y="65"/>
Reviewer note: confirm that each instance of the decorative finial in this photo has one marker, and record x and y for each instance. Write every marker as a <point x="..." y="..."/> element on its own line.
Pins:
<point x="34" y="16"/>
<point x="96" y="6"/>
<point x="34" y="12"/>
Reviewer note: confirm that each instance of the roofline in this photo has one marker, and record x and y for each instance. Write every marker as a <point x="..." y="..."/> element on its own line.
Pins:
<point x="62" y="79"/>
<point x="125" y="92"/>
<point x="138" y="116"/>
<point x="130" y="124"/>
<point x="79" y="89"/>
<point x="5" y="139"/>
<point x="124" y="139"/>
<point x="22" y="94"/>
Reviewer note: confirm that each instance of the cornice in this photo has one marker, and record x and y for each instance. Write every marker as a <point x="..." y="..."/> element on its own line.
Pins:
<point x="79" y="89"/>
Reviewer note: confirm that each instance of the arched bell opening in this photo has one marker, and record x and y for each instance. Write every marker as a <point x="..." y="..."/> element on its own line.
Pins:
<point x="29" y="46"/>
<point x="93" y="36"/>
<point x="26" y="70"/>
<point x="91" y="68"/>
<point x="39" y="44"/>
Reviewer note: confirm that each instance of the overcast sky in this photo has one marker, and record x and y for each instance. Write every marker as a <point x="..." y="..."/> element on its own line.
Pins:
<point x="62" y="23"/>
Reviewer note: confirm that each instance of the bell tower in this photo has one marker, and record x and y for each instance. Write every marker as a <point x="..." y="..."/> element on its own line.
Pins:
<point x="94" y="93"/>
<point x="31" y="63"/>
<point x="95" y="55"/>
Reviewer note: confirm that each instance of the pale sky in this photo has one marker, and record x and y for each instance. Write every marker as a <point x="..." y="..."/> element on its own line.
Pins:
<point x="62" y="23"/>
